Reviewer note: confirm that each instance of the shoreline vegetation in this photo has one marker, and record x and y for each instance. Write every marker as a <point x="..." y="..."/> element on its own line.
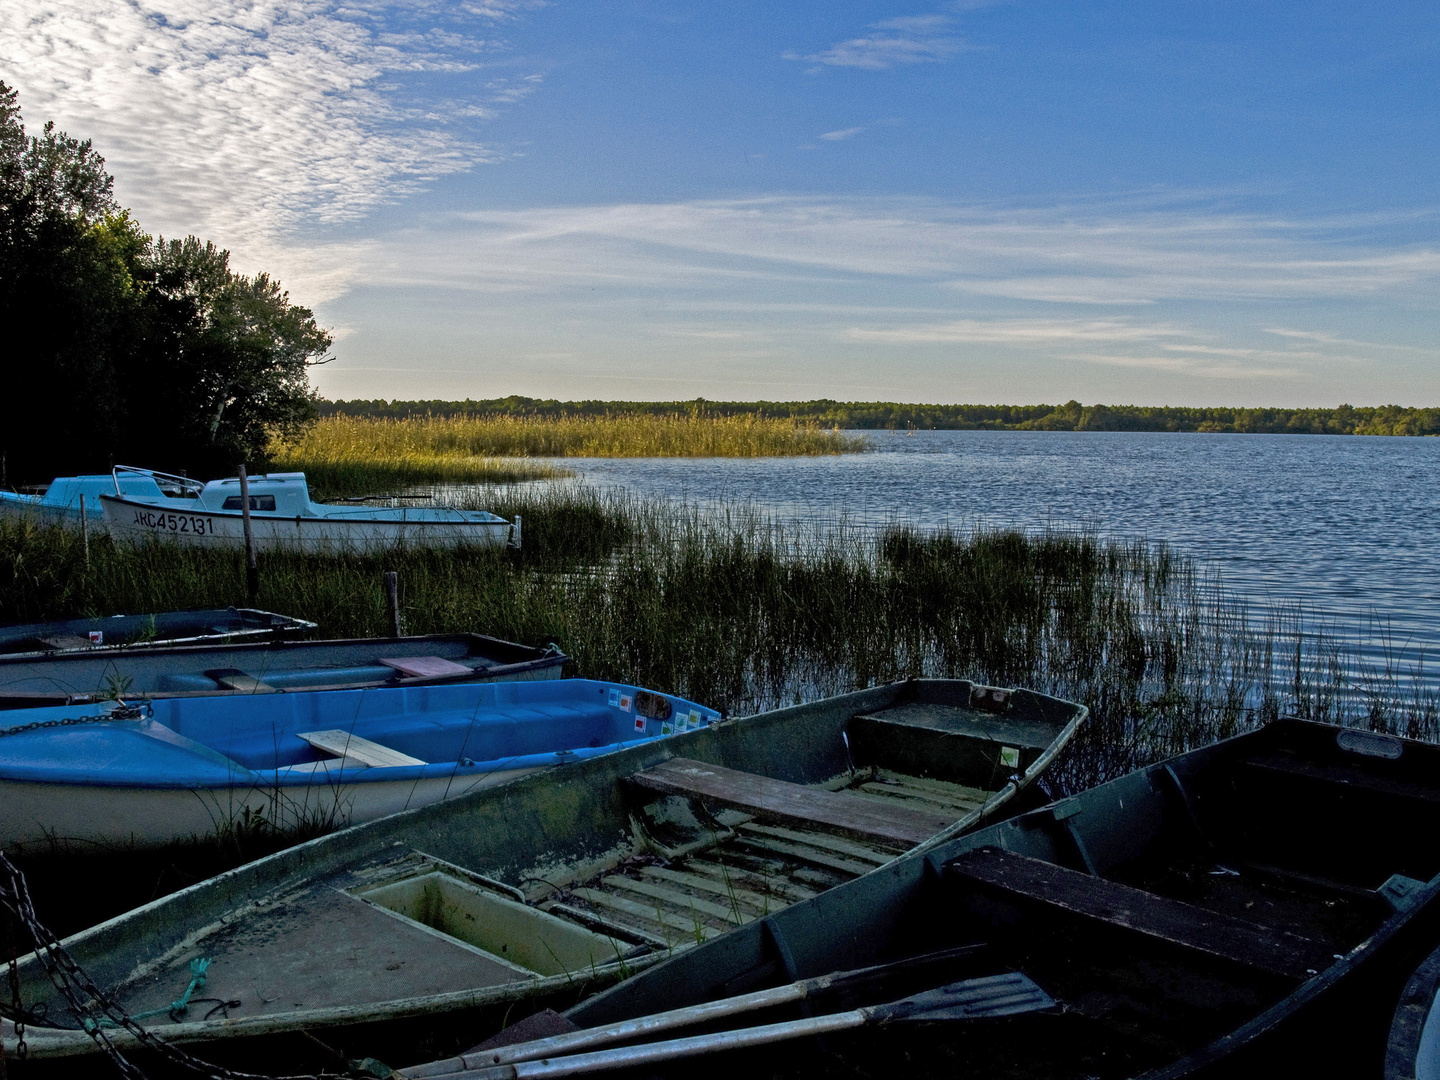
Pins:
<point x="881" y="415"/>
<point x="343" y="455"/>
<point x="743" y="613"/>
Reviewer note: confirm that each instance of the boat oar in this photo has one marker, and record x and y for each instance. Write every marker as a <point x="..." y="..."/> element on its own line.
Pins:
<point x="973" y="999"/>
<point x="624" y="1030"/>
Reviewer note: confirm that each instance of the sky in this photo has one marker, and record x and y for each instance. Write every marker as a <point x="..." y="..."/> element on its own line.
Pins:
<point x="1190" y="203"/>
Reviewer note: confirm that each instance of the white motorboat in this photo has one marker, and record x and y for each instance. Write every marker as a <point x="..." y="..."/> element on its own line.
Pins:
<point x="282" y="515"/>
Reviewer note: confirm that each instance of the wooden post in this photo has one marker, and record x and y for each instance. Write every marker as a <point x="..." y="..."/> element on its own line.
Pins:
<point x="85" y="531"/>
<point x="392" y="595"/>
<point x="252" y="571"/>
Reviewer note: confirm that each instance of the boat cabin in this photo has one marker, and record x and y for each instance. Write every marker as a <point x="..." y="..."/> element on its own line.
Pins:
<point x="282" y="494"/>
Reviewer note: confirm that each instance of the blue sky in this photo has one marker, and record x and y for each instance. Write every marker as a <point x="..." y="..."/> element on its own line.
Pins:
<point x="1182" y="203"/>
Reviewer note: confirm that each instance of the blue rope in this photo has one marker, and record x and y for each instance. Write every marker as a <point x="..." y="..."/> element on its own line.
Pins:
<point x="180" y="1005"/>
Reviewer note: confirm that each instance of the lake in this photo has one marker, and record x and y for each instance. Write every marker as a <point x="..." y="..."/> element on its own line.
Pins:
<point x="1346" y="526"/>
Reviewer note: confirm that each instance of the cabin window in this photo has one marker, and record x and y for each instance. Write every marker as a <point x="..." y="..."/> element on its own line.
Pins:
<point x="257" y="502"/>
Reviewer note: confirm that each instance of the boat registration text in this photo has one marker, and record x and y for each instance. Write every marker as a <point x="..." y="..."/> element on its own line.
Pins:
<point x="177" y="523"/>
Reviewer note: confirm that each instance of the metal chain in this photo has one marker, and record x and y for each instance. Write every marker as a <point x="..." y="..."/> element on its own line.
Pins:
<point x="123" y="712"/>
<point x="87" y="1001"/>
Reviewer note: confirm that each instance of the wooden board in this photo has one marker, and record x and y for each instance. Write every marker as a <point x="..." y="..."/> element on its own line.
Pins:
<point x="235" y="679"/>
<point x="344" y="744"/>
<point x="783" y="801"/>
<point x="426" y="667"/>
<point x="1173" y="921"/>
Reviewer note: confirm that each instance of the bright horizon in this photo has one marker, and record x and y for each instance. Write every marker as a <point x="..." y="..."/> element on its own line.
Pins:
<point x="1205" y="205"/>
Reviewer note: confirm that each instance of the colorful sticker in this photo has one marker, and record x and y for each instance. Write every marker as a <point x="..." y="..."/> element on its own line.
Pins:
<point x="639" y="723"/>
<point x="625" y="702"/>
<point x="694" y="718"/>
<point x="667" y="729"/>
<point x="1010" y="757"/>
<point x="97" y="637"/>
<point x="615" y="698"/>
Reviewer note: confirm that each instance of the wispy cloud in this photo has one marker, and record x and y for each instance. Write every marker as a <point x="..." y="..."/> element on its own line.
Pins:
<point x="247" y="121"/>
<point x="843" y="133"/>
<point x="915" y="39"/>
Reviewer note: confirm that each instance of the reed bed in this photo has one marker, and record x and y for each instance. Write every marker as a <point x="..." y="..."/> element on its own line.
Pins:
<point x="339" y="448"/>
<point x="742" y="613"/>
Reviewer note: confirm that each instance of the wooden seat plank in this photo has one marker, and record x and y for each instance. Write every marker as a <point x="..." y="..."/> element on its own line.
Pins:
<point x="426" y="667"/>
<point x="235" y="679"/>
<point x="1185" y="925"/>
<point x="343" y="744"/>
<point x="784" y="801"/>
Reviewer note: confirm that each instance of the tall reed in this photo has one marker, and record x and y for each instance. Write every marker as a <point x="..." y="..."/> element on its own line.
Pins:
<point x="734" y="610"/>
<point x="336" y="443"/>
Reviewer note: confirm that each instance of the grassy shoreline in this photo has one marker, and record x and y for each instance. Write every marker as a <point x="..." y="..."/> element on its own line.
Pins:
<point x="356" y="455"/>
<point x="743" y="614"/>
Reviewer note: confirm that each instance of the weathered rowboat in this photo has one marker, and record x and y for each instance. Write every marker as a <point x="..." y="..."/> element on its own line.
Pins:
<point x="132" y="633"/>
<point x="174" y="768"/>
<point x="1248" y="909"/>
<point x="268" y="667"/>
<point x="1413" y="1052"/>
<point x="282" y="515"/>
<point x="400" y="937"/>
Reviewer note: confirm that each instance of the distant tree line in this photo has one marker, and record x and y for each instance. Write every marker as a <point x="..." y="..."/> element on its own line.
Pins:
<point x="121" y="347"/>
<point x="1072" y="416"/>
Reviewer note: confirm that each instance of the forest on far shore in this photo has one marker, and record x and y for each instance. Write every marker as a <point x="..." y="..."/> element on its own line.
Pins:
<point x="1072" y="416"/>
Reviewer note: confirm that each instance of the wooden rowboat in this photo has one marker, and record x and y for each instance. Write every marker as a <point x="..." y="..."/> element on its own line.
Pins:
<point x="399" y="937"/>
<point x="149" y="671"/>
<point x="1248" y="909"/>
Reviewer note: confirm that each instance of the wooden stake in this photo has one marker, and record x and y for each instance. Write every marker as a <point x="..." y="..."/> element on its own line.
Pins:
<point x="392" y="594"/>
<point x="252" y="571"/>
<point x="85" y="531"/>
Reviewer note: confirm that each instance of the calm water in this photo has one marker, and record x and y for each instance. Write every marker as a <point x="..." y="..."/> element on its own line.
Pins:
<point x="1349" y="527"/>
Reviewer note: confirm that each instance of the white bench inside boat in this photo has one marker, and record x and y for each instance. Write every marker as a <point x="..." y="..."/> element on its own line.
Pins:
<point x="352" y="751"/>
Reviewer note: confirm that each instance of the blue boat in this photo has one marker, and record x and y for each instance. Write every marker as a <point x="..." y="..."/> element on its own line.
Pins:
<point x="61" y="502"/>
<point x="149" y="773"/>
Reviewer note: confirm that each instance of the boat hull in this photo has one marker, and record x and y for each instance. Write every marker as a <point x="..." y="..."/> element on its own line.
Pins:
<point x="512" y="845"/>
<point x="41" y="815"/>
<point x="147" y="671"/>
<point x="138" y="522"/>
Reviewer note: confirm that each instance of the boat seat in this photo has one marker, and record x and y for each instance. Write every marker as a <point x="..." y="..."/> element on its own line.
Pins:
<point x="427" y="667"/>
<point x="343" y="744"/>
<point x="780" y="800"/>
<point x="235" y="679"/>
<point x="1136" y="911"/>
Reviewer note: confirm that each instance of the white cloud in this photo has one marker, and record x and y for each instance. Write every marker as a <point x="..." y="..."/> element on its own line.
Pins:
<point x="245" y="121"/>
<point x="1026" y="332"/>
<point x="843" y="133"/>
<point x="915" y="39"/>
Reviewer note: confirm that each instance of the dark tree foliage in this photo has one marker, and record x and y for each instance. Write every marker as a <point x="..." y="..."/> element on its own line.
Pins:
<point x="119" y="348"/>
<point x="1072" y="416"/>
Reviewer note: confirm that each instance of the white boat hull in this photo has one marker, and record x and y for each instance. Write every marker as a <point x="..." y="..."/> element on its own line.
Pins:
<point x="138" y="522"/>
<point x="65" y="814"/>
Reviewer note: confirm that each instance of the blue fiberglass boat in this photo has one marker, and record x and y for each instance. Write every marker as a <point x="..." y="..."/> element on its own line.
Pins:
<point x="61" y="502"/>
<point x="178" y="767"/>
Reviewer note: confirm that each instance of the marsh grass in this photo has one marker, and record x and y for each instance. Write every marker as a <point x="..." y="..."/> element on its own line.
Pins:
<point x="739" y="612"/>
<point x="341" y="454"/>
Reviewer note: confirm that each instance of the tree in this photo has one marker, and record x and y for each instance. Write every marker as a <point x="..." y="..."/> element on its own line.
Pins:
<point x="124" y="348"/>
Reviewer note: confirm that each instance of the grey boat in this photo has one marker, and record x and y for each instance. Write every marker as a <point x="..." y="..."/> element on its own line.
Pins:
<point x="68" y="678"/>
<point x="148" y="631"/>
<point x="396" y="938"/>
<point x="1249" y="909"/>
